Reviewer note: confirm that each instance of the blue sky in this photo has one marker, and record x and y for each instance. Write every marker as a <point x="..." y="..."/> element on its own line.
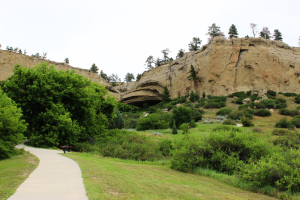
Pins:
<point x="119" y="35"/>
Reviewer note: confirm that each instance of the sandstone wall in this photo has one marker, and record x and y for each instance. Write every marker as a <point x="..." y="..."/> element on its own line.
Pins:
<point x="8" y="60"/>
<point x="225" y="66"/>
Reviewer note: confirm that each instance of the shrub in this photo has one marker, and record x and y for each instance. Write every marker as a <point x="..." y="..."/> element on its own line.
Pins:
<point x="165" y="147"/>
<point x="194" y="97"/>
<point x="243" y="106"/>
<point x="266" y="103"/>
<point x="127" y="107"/>
<point x="297" y="99"/>
<point x="246" y="122"/>
<point x="238" y="94"/>
<point x="296" y="121"/>
<point x="239" y="101"/>
<point x="153" y="109"/>
<point x="214" y="105"/>
<point x="12" y="126"/>
<point x="118" y="121"/>
<point x="181" y="115"/>
<point x="185" y="128"/>
<point x="248" y="115"/>
<point x="174" y="128"/>
<point x="287" y="112"/>
<point x="224" y="111"/>
<point x="226" y="128"/>
<point x="288" y="140"/>
<point x="229" y="122"/>
<point x="288" y="94"/>
<point x="235" y="115"/>
<point x="197" y="114"/>
<point x="168" y="106"/>
<point x="181" y="99"/>
<point x="271" y="93"/>
<point x="263" y="113"/>
<point x="188" y="104"/>
<point x="251" y="111"/>
<point x="224" y="151"/>
<point x="128" y="145"/>
<point x="280" y="103"/>
<point x="280" y="132"/>
<point x="84" y="147"/>
<point x="154" y="121"/>
<point x="257" y="130"/>
<point x="283" y="123"/>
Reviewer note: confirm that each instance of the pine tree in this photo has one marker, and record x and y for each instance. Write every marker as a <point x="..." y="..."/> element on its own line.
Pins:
<point x="118" y="121"/>
<point x="203" y="95"/>
<point x="193" y="74"/>
<point x="149" y="62"/>
<point x="233" y="31"/>
<point x="94" y="68"/>
<point x="103" y="75"/>
<point x="213" y="31"/>
<point x="67" y="61"/>
<point x="138" y="77"/>
<point x="129" y="77"/>
<point x="195" y="44"/>
<point x="165" y="96"/>
<point x="165" y="54"/>
<point x="174" y="129"/>
<point x="277" y="35"/>
<point x="180" y="53"/>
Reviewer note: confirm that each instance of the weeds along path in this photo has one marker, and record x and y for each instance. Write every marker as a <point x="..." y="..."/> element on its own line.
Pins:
<point x="56" y="177"/>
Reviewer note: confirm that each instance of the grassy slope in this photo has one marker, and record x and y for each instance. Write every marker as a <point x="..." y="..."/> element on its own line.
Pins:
<point x="14" y="171"/>
<point x="109" y="178"/>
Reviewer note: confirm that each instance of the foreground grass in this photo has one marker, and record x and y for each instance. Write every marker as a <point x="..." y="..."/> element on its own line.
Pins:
<point x="14" y="171"/>
<point x="109" y="178"/>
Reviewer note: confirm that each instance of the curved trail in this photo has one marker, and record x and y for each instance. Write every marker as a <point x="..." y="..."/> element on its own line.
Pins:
<point x="56" y="178"/>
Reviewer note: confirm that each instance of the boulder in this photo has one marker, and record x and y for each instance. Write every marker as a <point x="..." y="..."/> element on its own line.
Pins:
<point x="246" y="101"/>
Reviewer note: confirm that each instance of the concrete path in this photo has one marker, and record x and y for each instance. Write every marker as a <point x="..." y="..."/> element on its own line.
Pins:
<point x="56" y="178"/>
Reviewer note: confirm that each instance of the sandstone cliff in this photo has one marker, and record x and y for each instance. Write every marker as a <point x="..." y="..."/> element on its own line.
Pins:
<point x="8" y="60"/>
<point x="225" y="66"/>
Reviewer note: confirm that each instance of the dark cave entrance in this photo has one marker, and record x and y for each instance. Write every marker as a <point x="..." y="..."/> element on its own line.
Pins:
<point x="149" y="102"/>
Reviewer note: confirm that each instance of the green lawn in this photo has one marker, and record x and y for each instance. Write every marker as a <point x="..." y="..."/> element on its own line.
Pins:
<point x="110" y="178"/>
<point x="14" y="171"/>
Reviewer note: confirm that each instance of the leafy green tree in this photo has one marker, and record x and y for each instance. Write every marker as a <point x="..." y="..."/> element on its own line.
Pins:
<point x="67" y="61"/>
<point x="165" y="96"/>
<point x="150" y="60"/>
<point x="195" y="44"/>
<point x="129" y="77"/>
<point x="181" y="115"/>
<point x="118" y="121"/>
<point x="180" y="53"/>
<point x="94" y="68"/>
<point x="174" y="128"/>
<point x="103" y="75"/>
<point x="138" y="77"/>
<point x="277" y="35"/>
<point x="37" y="89"/>
<point x="233" y="31"/>
<point x="193" y="75"/>
<point x="165" y="54"/>
<point x="213" y="31"/>
<point x="185" y="128"/>
<point x="12" y="126"/>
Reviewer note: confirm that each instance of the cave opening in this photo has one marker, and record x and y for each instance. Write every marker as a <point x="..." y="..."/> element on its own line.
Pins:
<point x="149" y="102"/>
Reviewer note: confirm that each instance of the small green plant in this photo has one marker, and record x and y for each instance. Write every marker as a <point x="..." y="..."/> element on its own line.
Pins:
<point x="185" y="128"/>
<point x="283" y="123"/>
<point x="174" y="129"/>
<point x="229" y="122"/>
<point x="246" y="121"/>
<point x="194" y="97"/>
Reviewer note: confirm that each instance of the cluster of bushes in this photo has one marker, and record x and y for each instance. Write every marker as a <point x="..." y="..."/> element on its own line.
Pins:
<point x="232" y="151"/>
<point x="127" y="108"/>
<point x="288" y="112"/>
<point x="215" y="102"/>
<point x="288" y="94"/>
<point x="280" y="103"/>
<point x="297" y="99"/>
<point x="243" y="95"/>
<point x="154" y="121"/>
<point x="284" y="123"/>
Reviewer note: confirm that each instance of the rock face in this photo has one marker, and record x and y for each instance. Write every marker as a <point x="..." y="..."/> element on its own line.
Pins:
<point x="224" y="67"/>
<point x="8" y="60"/>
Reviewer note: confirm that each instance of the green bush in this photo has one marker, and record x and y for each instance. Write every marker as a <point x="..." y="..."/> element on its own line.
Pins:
<point x="224" y="151"/>
<point x="166" y="148"/>
<point x="153" y="109"/>
<point x="154" y="121"/>
<point x="214" y="105"/>
<point x="271" y="93"/>
<point x="117" y="122"/>
<point x="224" y="111"/>
<point x="288" y="140"/>
<point x="168" y="106"/>
<point x="238" y="94"/>
<point x="297" y="99"/>
<point x="287" y="112"/>
<point x="188" y="104"/>
<point x="296" y="121"/>
<point x="181" y="99"/>
<point x="194" y="97"/>
<point x="236" y="115"/>
<point x="181" y="115"/>
<point x="226" y="128"/>
<point x="266" y="103"/>
<point x="197" y="114"/>
<point x="12" y="126"/>
<point x="280" y="132"/>
<point x="263" y="113"/>
<point x="246" y="122"/>
<point x="229" y="122"/>
<point x="257" y="130"/>
<point x="239" y="101"/>
<point x="280" y="103"/>
<point x="281" y="170"/>
<point x="283" y="123"/>
<point x="84" y="147"/>
<point x="185" y="128"/>
<point x="128" y="145"/>
<point x="248" y="115"/>
<point x="288" y="94"/>
<point x="243" y="106"/>
<point x="127" y="107"/>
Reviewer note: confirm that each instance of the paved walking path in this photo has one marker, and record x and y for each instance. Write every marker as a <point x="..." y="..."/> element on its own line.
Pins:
<point x="56" y="178"/>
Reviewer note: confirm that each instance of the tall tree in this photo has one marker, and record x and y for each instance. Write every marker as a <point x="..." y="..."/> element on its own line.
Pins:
<point x="195" y="44"/>
<point x="193" y="75"/>
<point x="213" y="31"/>
<point x="94" y="68"/>
<point x="165" y="96"/>
<point x="277" y="35"/>
<point x="254" y="29"/>
<point x="150" y="60"/>
<point x="138" y="77"/>
<point x="265" y="33"/>
<point x="67" y="61"/>
<point x="129" y="77"/>
<point x="158" y="62"/>
<point x="114" y="78"/>
<point x="103" y="75"/>
<point x="180" y="53"/>
<point x="233" y="31"/>
<point x="165" y="54"/>
<point x="44" y="56"/>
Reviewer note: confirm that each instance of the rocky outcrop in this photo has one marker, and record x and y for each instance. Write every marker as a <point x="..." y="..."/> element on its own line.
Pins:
<point x="8" y="60"/>
<point x="224" y="67"/>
